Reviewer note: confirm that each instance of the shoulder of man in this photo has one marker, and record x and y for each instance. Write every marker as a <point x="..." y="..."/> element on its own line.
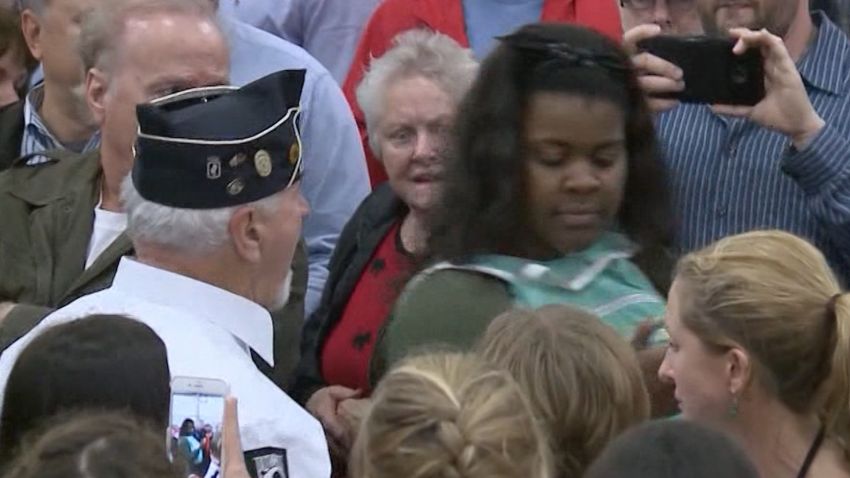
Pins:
<point x="41" y="181"/>
<point x="249" y="43"/>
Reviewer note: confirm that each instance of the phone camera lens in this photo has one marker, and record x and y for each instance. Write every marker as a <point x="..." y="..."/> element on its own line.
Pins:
<point x="739" y="75"/>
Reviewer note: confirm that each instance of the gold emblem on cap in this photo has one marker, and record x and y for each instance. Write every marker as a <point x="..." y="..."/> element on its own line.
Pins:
<point x="237" y="159"/>
<point x="235" y="187"/>
<point x="294" y="153"/>
<point x="263" y="163"/>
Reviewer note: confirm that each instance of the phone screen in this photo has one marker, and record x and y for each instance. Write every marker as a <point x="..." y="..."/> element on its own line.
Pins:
<point x="195" y="433"/>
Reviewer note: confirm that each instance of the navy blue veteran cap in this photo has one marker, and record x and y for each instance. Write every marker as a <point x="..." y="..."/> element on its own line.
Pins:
<point x="220" y="146"/>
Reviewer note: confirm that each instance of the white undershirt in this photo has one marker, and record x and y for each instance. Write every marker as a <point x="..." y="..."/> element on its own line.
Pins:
<point x="108" y="226"/>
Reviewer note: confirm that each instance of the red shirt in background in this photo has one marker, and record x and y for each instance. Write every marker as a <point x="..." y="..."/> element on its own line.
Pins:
<point x="446" y="16"/>
<point x="348" y="349"/>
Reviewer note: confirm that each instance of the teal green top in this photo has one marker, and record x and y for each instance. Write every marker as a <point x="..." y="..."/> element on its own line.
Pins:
<point x="600" y="279"/>
<point x="451" y="305"/>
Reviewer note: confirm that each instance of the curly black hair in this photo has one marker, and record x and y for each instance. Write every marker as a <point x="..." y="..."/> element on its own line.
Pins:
<point x="483" y="206"/>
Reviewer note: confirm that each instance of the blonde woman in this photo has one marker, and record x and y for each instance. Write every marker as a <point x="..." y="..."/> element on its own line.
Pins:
<point x="582" y="379"/>
<point x="449" y="415"/>
<point x="760" y="348"/>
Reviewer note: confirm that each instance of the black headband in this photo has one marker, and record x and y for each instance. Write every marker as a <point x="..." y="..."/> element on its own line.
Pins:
<point x="564" y="53"/>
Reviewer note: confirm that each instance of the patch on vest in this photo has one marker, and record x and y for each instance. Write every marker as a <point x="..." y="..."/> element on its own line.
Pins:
<point x="267" y="463"/>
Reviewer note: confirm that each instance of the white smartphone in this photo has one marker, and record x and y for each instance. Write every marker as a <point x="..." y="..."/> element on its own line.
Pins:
<point x="195" y="424"/>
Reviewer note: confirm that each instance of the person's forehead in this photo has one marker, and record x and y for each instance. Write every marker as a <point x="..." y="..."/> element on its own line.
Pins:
<point x="164" y="38"/>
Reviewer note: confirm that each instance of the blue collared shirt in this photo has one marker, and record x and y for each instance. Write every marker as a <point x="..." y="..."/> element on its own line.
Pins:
<point x="335" y="179"/>
<point x="37" y="138"/>
<point x="328" y="29"/>
<point x="731" y="176"/>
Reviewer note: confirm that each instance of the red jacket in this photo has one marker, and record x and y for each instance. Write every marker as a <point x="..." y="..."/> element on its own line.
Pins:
<point x="446" y="16"/>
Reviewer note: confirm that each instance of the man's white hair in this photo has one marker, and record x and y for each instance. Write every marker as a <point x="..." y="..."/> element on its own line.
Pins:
<point x="194" y="231"/>
<point x="415" y="53"/>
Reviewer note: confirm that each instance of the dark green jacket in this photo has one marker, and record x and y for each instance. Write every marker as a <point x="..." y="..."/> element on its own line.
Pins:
<point x="11" y="133"/>
<point x="47" y="216"/>
<point x="437" y="310"/>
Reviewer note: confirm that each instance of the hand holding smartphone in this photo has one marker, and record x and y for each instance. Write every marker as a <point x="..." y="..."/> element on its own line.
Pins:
<point x="712" y="72"/>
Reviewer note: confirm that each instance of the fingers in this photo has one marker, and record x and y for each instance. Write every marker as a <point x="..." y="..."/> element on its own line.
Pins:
<point x="771" y="45"/>
<point x="233" y="461"/>
<point x="659" y="85"/>
<point x="323" y="405"/>
<point x="659" y="78"/>
<point x="649" y="64"/>
<point x="638" y="33"/>
<point x="334" y="427"/>
<point x="339" y="393"/>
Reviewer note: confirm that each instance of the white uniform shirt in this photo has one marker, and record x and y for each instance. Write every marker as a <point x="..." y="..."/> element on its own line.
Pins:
<point x="208" y="332"/>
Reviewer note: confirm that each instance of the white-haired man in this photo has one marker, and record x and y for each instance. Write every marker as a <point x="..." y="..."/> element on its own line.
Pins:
<point x="64" y="219"/>
<point x="214" y="209"/>
<point x="335" y="179"/>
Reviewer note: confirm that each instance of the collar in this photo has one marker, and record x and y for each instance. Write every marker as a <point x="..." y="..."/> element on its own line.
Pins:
<point x="31" y="105"/>
<point x="825" y="64"/>
<point x="245" y="320"/>
<point x="574" y="272"/>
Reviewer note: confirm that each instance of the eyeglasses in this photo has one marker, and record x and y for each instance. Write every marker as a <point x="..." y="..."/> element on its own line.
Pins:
<point x="674" y="6"/>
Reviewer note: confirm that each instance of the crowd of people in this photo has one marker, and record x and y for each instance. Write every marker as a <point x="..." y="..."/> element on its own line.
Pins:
<point x="424" y="238"/>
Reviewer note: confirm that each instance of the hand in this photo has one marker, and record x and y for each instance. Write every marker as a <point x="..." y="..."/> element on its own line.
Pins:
<point x="324" y="406"/>
<point x="5" y="308"/>
<point x="656" y="76"/>
<point x="352" y="412"/>
<point x="786" y="107"/>
<point x="232" y="458"/>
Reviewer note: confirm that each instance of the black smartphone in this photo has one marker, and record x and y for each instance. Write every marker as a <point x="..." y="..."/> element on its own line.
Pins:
<point x="712" y="72"/>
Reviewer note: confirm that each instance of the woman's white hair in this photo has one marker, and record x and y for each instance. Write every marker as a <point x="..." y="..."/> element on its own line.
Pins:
<point x="415" y="53"/>
<point x="195" y="231"/>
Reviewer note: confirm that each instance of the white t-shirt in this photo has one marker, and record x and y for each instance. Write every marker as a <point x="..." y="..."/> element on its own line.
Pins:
<point x="108" y="226"/>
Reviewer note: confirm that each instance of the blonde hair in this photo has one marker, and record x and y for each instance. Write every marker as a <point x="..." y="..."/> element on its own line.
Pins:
<point x="774" y="295"/>
<point x="582" y="379"/>
<point x="449" y="416"/>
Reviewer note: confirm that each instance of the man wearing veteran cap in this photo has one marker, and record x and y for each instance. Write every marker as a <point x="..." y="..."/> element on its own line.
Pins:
<point x="63" y="227"/>
<point x="213" y="209"/>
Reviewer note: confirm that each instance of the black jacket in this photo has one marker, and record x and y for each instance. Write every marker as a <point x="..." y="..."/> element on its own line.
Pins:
<point x="11" y="133"/>
<point x="360" y="237"/>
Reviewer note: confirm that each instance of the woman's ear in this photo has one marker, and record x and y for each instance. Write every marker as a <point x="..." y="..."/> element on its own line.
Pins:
<point x="244" y="229"/>
<point x="739" y="369"/>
